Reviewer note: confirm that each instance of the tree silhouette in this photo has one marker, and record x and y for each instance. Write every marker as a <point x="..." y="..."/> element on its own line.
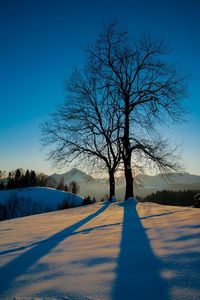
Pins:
<point x="115" y="105"/>
<point x="74" y="187"/>
<point x="149" y="92"/>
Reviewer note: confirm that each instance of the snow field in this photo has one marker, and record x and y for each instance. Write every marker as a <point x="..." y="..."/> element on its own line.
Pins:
<point x="102" y="251"/>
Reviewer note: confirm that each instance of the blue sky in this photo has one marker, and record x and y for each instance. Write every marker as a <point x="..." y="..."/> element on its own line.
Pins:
<point x="41" y="40"/>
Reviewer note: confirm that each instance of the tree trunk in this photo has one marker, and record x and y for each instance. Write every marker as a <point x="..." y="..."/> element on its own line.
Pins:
<point x="129" y="178"/>
<point x="127" y="153"/>
<point x="112" y="184"/>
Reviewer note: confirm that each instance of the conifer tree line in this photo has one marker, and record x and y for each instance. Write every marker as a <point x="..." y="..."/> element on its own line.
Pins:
<point x="22" y="179"/>
<point x="177" y="198"/>
<point x="18" y="179"/>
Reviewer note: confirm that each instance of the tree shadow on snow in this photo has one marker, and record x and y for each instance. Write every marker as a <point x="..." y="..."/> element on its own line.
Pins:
<point x="22" y="263"/>
<point x="137" y="273"/>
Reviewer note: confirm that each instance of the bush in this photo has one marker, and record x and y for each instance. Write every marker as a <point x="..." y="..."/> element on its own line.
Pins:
<point x="65" y="204"/>
<point x="87" y="200"/>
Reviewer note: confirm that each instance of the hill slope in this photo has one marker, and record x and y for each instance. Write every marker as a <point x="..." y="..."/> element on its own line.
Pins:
<point x="42" y="195"/>
<point x="29" y="201"/>
<point x="117" y="251"/>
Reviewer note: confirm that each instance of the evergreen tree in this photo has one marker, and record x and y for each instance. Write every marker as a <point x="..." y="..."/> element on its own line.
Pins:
<point x="74" y="187"/>
<point x="10" y="182"/>
<point x="17" y="179"/>
<point x="33" y="178"/>
<point x="27" y="179"/>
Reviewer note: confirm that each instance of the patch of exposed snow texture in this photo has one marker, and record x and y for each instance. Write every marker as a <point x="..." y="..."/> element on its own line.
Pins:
<point x="121" y="250"/>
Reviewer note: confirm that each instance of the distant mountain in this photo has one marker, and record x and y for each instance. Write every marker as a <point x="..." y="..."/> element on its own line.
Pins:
<point x="178" y="181"/>
<point x="143" y="184"/>
<point x="73" y="175"/>
<point x="164" y="181"/>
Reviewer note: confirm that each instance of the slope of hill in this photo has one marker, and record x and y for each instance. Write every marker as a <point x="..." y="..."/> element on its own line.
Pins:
<point x="47" y="196"/>
<point x="28" y="201"/>
<point x="117" y="251"/>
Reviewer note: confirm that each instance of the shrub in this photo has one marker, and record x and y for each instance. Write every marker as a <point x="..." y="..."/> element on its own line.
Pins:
<point x="65" y="204"/>
<point x="87" y="200"/>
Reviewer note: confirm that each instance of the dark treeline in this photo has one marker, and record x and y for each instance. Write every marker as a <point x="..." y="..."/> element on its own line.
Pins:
<point x="20" y="178"/>
<point x="180" y="198"/>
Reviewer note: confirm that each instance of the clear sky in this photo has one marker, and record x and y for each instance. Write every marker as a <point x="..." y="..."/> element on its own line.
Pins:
<point x="41" y="40"/>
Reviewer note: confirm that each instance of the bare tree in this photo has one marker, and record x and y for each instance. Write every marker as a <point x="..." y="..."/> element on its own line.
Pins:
<point x="148" y="92"/>
<point x="115" y="105"/>
<point x="86" y="128"/>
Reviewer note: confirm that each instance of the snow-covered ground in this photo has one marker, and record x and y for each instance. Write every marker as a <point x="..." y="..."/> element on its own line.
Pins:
<point x="42" y="195"/>
<point x="101" y="251"/>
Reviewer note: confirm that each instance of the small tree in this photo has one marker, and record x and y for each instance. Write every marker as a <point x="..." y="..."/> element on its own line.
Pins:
<point x="74" y="187"/>
<point x="27" y="179"/>
<point x="41" y="179"/>
<point x="18" y="178"/>
<point x="50" y="182"/>
<point x="11" y="181"/>
<point x="33" y="178"/>
<point x="61" y="185"/>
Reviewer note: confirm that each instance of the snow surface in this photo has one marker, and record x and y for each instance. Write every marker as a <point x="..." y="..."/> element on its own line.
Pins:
<point x="103" y="251"/>
<point x="42" y="195"/>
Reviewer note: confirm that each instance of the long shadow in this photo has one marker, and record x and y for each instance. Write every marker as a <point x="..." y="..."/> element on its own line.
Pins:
<point x="78" y="232"/>
<point x="22" y="263"/>
<point x="137" y="273"/>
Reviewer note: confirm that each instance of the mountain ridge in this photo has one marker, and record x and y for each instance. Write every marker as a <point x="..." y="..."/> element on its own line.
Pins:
<point x="143" y="184"/>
